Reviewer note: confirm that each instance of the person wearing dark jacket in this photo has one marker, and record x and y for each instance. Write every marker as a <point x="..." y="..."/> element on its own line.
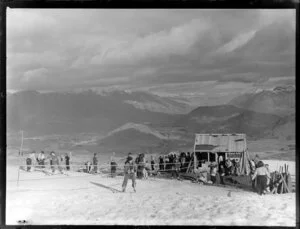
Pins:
<point x="28" y="163"/>
<point x="95" y="163"/>
<point x="129" y="173"/>
<point x="188" y="157"/>
<point x="152" y="163"/>
<point x="113" y="168"/>
<point x="161" y="163"/>
<point x="222" y="173"/>
<point x="67" y="160"/>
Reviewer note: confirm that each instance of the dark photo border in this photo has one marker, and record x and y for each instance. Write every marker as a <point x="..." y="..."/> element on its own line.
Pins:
<point x="221" y="4"/>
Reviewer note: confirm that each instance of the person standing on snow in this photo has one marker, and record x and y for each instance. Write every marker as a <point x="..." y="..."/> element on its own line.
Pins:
<point x="213" y="173"/>
<point x="67" y="160"/>
<point x="54" y="162"/>
<point x="262" y="175"/>
<point x="113" y="167"/>
<point x="41" y="159"/>
<point x="95" y="163"/>
<point x="152" y="163"/>
<point x="129" y="173"/>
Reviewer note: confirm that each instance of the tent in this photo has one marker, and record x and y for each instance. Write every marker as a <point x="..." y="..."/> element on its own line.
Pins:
<point x="211" y="147"/>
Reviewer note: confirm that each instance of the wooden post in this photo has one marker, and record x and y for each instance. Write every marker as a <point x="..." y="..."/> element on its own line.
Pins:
<point x="195" y="152"/>
<point x="21" y="150"/>
<point x="18" y="176"/>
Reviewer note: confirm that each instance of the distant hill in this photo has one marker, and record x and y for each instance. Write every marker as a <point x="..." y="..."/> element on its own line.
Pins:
<point x="231" y="119"/>
<point x="63" y="113"/>
<point x="279" y="101"/>
<point x="286" y="128"/>
<point x="138" y="137"/>
<point x="150" y="102"/>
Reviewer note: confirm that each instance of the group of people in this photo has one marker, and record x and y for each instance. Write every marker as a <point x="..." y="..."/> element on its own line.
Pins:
<point x="92" y="167"/>
<point x="57" y="162"/>
<point x="35" y="160"/>
<point x="173" y="162"/>
<point x="141" y="168"/>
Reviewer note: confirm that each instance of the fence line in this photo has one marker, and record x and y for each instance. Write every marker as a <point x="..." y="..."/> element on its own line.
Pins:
<point x="107" y="164"/>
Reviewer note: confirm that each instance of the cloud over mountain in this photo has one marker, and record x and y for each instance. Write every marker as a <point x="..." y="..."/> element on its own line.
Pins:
<point x="90" y="48"/>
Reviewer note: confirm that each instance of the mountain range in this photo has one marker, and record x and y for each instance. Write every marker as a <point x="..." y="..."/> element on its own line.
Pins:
<point x="62" y="113"/>
<point x="279" y="101"/>
<point x="138" y="120"/>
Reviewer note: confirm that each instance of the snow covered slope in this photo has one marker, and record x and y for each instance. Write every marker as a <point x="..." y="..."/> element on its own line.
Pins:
<point x="95" y="199"/>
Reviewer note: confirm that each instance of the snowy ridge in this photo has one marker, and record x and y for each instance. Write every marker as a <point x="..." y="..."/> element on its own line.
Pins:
<point x="139" y="127"/>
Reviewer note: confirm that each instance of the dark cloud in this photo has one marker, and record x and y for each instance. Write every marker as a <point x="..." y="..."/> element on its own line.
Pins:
<point x="90" y="48"/>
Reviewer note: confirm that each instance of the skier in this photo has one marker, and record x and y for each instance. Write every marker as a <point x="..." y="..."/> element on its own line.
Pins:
<point x="129" y="173"/>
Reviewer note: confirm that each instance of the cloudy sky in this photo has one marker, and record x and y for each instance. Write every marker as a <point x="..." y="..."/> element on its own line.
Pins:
<point x="151" y="49"/>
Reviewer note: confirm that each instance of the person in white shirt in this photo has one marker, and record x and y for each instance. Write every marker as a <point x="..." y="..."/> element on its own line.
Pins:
<point x="262" y="175"/>
<point x="41" y="159"/>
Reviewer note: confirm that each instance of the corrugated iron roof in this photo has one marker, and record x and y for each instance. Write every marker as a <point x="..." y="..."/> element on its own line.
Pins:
<point x="222" y="142"/>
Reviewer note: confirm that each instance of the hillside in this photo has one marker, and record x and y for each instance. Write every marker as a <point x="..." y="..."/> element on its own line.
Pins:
<point x="150" y="102"/>
<point x="65" y="113"/>
<point x="279" y="101"/>
<point x="230" y="119"/>
<point x="135" y="137"/>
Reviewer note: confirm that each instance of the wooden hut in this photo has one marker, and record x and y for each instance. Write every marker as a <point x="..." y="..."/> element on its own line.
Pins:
<point x="215" y="147"/>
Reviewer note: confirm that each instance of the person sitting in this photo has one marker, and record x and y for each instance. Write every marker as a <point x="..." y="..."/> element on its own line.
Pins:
<point x="228" y="167"/>
<point x="201" y="176"/>
<point x="262" y="175"/>
<point x="233" y="168"/>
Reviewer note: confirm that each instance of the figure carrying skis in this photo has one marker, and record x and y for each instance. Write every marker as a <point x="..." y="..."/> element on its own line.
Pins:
<point x="129" y="173"/>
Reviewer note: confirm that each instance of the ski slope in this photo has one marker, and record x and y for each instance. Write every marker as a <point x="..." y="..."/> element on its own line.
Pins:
<point x="86" y="199"/>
